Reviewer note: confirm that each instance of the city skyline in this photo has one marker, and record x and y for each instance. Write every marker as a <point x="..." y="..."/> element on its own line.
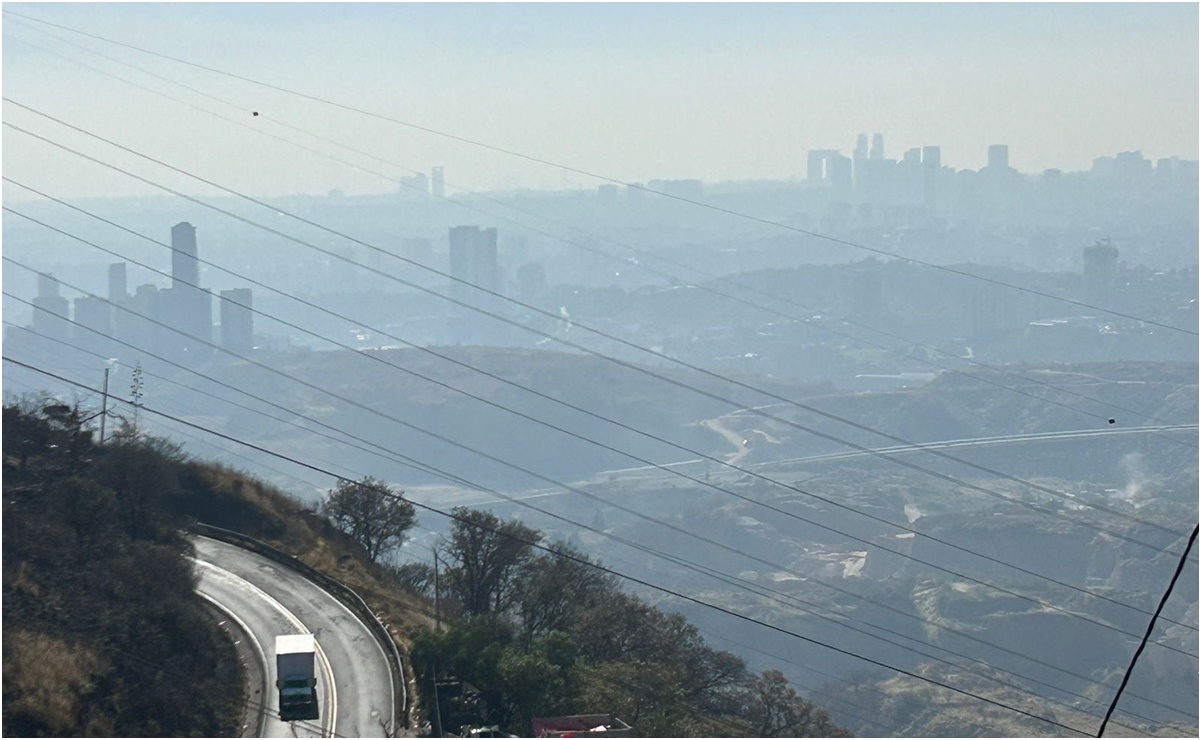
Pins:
<point x="739" y="93"/>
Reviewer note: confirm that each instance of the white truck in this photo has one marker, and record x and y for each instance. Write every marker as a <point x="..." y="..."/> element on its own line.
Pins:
<point x="296" y="677"/>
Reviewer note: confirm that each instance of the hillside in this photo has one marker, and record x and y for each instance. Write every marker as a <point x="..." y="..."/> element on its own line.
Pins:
<point x="103" y="632"/>
<point x="96" y="573"/>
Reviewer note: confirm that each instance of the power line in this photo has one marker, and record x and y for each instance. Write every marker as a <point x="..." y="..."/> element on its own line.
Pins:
<point x="741" y="584"/>
<point x="605" y="178"/>
<point x="1150" y="628"/>
<point x="558" y="401"/>
<point x="611" y="359"/>
<point x="704" y="570"/>
<point x="591" y="496"/>
<point x="823" y="326"/>
<point x="392" y="456"/>
<point x="181" y="385"/>
<point x="92" y="623"/>
<point x="582" y="561"/>
<point x="788" y="598"/>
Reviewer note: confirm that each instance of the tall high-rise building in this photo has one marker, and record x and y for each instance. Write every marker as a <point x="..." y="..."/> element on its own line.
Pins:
<point x="998" y="156"/>
<point x="861" y="148"/>
<point x="93" y="326"/>
<point x="438" y="183"/>
<point x="118" y="289"/>
<point x="185" y="270"/>
<point x="48" y="286"/>
<point x="186" y="307"/>
<point x="877" y="150"/>
<point x="237" y="320"/>
<point x="839" y="172"/>
<point x="473" y="256"/>
<point x="51" y="312"/>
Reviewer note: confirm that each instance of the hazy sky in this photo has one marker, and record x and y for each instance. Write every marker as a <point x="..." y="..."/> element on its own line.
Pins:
<point x="634" y="91"/>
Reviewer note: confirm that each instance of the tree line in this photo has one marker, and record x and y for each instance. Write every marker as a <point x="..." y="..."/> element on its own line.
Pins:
<point x="542" y="632"/>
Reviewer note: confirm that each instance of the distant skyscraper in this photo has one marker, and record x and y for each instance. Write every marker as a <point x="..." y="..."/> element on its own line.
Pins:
<point x="184" y="267"/>
<point x="117" y="286"/>
<point x="237" y="320"/>
<point x="47" y="285"/>
<point x="51" y="312"/>
<point x="912" y="156"/>
<point x="185" y="306"/>
<point x="877" y="151"/>
<point x="473" y="256"/>
<point x="438" y="183"/>
<point x="607" y="193"/>
<point x="132" y="325"/>
<point x="861" y="148"/>
<point x="998" y="156"/>
<point x="94" y="314"/>
<point x="839" y="171"/>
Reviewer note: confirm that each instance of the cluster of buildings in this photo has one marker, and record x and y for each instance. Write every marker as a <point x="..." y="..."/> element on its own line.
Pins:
<point x="175" y="323"/>
<point x="920" y="178"/>
<point x="418" y="184"/>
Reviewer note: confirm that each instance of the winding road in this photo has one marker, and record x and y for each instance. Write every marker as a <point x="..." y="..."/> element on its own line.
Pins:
<point x="266" y="599"/>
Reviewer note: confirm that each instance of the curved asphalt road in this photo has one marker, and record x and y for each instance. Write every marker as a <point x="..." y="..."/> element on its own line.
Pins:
<point x="267" y="599"/>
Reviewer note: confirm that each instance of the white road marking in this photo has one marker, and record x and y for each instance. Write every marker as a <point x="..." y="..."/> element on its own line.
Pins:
<point x="301" y="629"/>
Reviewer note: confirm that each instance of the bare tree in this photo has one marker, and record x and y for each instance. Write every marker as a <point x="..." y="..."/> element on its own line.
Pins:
<point x="372" y="513"/>
<point x="485" y="556"/>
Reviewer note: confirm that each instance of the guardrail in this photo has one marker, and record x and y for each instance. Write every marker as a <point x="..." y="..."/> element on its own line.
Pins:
<point x="341" y="591"/>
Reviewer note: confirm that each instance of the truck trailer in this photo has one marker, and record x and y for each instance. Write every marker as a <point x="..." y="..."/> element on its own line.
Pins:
<point x="296" y="677"/>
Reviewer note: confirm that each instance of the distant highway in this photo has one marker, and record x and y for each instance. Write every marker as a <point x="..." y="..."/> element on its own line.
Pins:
<point x="267" y="599"/>
<point x="985" y="442"/>
<point x="649" y="472"/>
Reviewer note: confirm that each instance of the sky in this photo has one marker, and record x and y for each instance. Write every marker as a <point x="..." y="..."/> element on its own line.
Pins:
<point x="634" y="92"/>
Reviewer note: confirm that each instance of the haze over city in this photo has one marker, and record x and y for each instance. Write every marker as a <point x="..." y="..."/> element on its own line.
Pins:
<point x="669" y="370"/>
<point x="635" y="92"/>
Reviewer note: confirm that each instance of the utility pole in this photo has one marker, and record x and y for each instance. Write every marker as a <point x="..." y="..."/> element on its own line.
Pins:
<point x="437" y="704"/>
<point x="437" y="595"/>
<point x="104" y="406"/>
